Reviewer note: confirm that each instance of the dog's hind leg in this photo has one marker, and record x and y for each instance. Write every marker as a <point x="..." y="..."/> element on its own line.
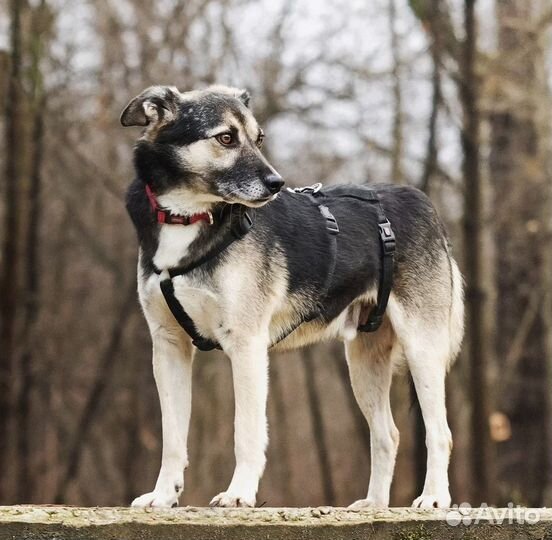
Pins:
<point x="172" y="368"/>
<point x="250" y="375"/>
<point x="427" y="348"/>
<point x="370" y="360"/>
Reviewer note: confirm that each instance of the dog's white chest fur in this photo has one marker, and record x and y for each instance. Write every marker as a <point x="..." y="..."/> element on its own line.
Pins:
<point x="199" y="300"/>
<point x="174" y="241"/>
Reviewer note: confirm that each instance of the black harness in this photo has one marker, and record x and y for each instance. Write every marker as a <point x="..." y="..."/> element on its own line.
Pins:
<point x="241" y="221"/>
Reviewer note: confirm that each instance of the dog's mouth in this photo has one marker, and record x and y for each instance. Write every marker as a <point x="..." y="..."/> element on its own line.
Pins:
<point x="252" y="203"/>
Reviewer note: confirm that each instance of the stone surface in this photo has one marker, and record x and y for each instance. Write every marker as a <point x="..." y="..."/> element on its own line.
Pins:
<point x="323" y="523"/>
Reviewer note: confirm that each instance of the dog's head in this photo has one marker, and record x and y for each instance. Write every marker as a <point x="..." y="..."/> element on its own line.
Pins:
<point x="207" y="143"/>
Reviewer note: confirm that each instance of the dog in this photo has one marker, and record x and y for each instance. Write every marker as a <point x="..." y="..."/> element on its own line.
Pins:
<point x="199" y="158"/>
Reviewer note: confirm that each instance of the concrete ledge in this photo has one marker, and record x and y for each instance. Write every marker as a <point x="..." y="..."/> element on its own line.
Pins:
<point x="324" y="523"/>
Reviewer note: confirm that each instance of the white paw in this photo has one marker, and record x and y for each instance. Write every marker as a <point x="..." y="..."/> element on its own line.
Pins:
<point x="432" y="501"/>
<point x="363" y="504"/>
<point x="156" y="499"/>
<point x="232" y="500"/>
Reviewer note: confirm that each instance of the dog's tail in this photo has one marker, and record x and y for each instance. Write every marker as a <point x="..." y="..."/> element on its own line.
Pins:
<point x="456" y="313"/>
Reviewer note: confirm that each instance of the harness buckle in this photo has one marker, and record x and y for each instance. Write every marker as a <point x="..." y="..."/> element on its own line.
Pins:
<point x="315" y="188"/>
<point x="242" y="224"/>
<point x="387" y="237"/>
<point x="331" y="222"/>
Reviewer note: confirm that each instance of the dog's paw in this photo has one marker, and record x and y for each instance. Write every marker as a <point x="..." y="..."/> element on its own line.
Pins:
<point x="232" y="500"/>
<point x="364" y="504"/>
<point x="156" y="499"/>
<point x="432" y="501"/>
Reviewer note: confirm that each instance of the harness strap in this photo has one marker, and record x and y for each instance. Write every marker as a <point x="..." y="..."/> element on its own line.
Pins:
<point x="240" y="224"/>
<point x="313" y="192"/>
<point x="183" y="319"/>
<point x="333" y="230"/>
<point x="241" y="221"/>
<point x="388" y="243"/>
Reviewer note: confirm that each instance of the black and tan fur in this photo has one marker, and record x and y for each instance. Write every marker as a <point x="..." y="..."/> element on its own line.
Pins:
<point x="266" y="283"/>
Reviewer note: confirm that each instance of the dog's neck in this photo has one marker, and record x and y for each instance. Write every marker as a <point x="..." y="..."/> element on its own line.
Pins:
<point x="174" y="243"/>
<point x="182" y="201"/>
<point x="174" y="240"/>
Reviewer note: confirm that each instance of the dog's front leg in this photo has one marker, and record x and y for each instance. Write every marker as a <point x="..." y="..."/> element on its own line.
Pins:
<point x="172" y="369"/>
<point x="250" y="376"/>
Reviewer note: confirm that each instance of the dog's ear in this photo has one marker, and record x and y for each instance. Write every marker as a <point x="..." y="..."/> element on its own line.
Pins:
<point x="245" y="97"/>
<point x="156" y="104"/>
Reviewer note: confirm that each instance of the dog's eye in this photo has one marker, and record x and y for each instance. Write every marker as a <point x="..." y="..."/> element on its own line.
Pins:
<point x="260" y="138"/>
<point x="226" y="139"/>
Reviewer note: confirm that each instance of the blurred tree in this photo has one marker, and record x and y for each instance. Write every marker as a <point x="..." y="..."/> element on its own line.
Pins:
<point x="397" y="173"/>
<point x="478" y="345"/>
<point x="11" y="232"/>
<point x="518" y="168"/>
<point x="37" y="43"/>
<point x="434" y="24"/>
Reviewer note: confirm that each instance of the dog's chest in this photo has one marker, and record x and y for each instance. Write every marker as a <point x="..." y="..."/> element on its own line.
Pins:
<point x="195" y="292"/>
<point x="199" y="297"/>
<point x="173" y="244"/>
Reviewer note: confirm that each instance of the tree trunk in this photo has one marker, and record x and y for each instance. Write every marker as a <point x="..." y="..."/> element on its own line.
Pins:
<point x="397" y="173"/>
<point x="478" y="347"/>
<point x="31" y="274"/>
<point x="522" y="189"/>
<point x="546" y="121"/>
<point x="8" y="278"/>
<point x="430" y="162"/>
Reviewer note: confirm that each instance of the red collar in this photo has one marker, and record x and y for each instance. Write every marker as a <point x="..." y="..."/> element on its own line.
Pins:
<point x="165" y="216"/>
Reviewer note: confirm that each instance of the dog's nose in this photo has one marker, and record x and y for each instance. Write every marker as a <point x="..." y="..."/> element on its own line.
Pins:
<point x="274" y="183"/>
